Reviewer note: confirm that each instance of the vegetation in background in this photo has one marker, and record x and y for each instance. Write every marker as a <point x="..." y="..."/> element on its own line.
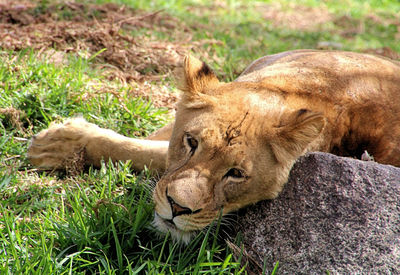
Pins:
<point x="111" y="62"/>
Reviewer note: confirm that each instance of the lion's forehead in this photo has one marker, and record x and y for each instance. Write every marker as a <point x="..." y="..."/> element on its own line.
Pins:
<point x="262" y="104"/>
<point x="226" y="131"/>
<point x="221" y="149"/>
<point x="244" y="117"/>
<point x="227" y="135"/>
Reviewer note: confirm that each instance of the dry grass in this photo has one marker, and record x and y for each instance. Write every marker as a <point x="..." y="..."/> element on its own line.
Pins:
<point x="295" y="16"/>
<point x="14" y="116"/>
<point x="118" y="40"/>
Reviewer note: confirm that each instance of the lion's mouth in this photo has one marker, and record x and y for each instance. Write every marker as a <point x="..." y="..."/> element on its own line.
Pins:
<point x="160" y="223"/>
<point x="169" y="223"/>
<point x="165" y="226"/>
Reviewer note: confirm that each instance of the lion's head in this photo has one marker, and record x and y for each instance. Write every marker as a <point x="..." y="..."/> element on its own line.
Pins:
<point x="233" y="144"/>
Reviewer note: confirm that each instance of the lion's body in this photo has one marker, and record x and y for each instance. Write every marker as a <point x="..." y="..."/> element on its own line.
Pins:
<point x="359" y="95"/>
<point x="234" y="144"/>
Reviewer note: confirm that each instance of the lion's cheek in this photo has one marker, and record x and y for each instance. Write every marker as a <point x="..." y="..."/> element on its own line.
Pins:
<point x="231" y="196"/>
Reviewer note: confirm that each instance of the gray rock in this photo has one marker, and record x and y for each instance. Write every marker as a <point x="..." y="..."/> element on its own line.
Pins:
<point x="335" y="214"/>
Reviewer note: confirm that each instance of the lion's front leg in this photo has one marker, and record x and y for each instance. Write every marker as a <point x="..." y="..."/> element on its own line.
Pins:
<point x="53" y="147"/>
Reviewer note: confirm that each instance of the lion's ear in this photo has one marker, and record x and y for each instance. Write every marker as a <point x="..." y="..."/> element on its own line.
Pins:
<point x="196" y="76"/>
<point x="295" y="132"/>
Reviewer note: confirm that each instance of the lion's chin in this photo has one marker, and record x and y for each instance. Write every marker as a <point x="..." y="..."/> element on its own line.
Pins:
<point x="177" y="234"/>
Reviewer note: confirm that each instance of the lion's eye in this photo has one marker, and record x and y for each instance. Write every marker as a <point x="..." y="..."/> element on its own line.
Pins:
<point x="235" y="173"/>
<point x="191" y="142"/>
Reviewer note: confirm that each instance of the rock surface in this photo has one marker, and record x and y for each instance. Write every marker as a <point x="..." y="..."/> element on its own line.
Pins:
<point x="335" y="214"/>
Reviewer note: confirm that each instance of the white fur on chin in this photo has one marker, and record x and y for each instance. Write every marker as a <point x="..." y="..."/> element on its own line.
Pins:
<point x="176" y="234"/>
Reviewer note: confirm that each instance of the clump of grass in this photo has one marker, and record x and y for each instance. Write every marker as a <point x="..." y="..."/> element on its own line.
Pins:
<point x="99" y="222"/>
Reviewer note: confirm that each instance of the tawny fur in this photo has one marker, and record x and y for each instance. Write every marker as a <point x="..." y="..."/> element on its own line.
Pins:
<point x="233" y="144"/>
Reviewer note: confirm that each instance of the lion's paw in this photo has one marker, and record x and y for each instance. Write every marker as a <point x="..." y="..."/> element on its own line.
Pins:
<point x="56" y="146"/>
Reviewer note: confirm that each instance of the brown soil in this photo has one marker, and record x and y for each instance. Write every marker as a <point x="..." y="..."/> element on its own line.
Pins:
<point x="295" y="16"/>
<point x="118" y="39"/>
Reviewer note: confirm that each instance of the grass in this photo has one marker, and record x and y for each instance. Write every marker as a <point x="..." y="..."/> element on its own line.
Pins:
<point x="99" y="222"/>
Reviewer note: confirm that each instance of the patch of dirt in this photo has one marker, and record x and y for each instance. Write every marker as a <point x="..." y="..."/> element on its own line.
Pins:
<point x="351" y="27"/>
<point x="120" y="40"/>
<point x="295" y="16"/>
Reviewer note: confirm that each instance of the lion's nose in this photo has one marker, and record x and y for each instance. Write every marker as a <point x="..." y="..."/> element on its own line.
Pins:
<point x="178" y="210"/>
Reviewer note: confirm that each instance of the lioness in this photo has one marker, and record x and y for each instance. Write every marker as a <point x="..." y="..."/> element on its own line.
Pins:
<point x="233" y="144"/>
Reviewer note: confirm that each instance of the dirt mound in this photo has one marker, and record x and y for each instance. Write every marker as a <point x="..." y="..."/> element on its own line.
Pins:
<point x="120" y="40"/>
<point x="91" y="30"/>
